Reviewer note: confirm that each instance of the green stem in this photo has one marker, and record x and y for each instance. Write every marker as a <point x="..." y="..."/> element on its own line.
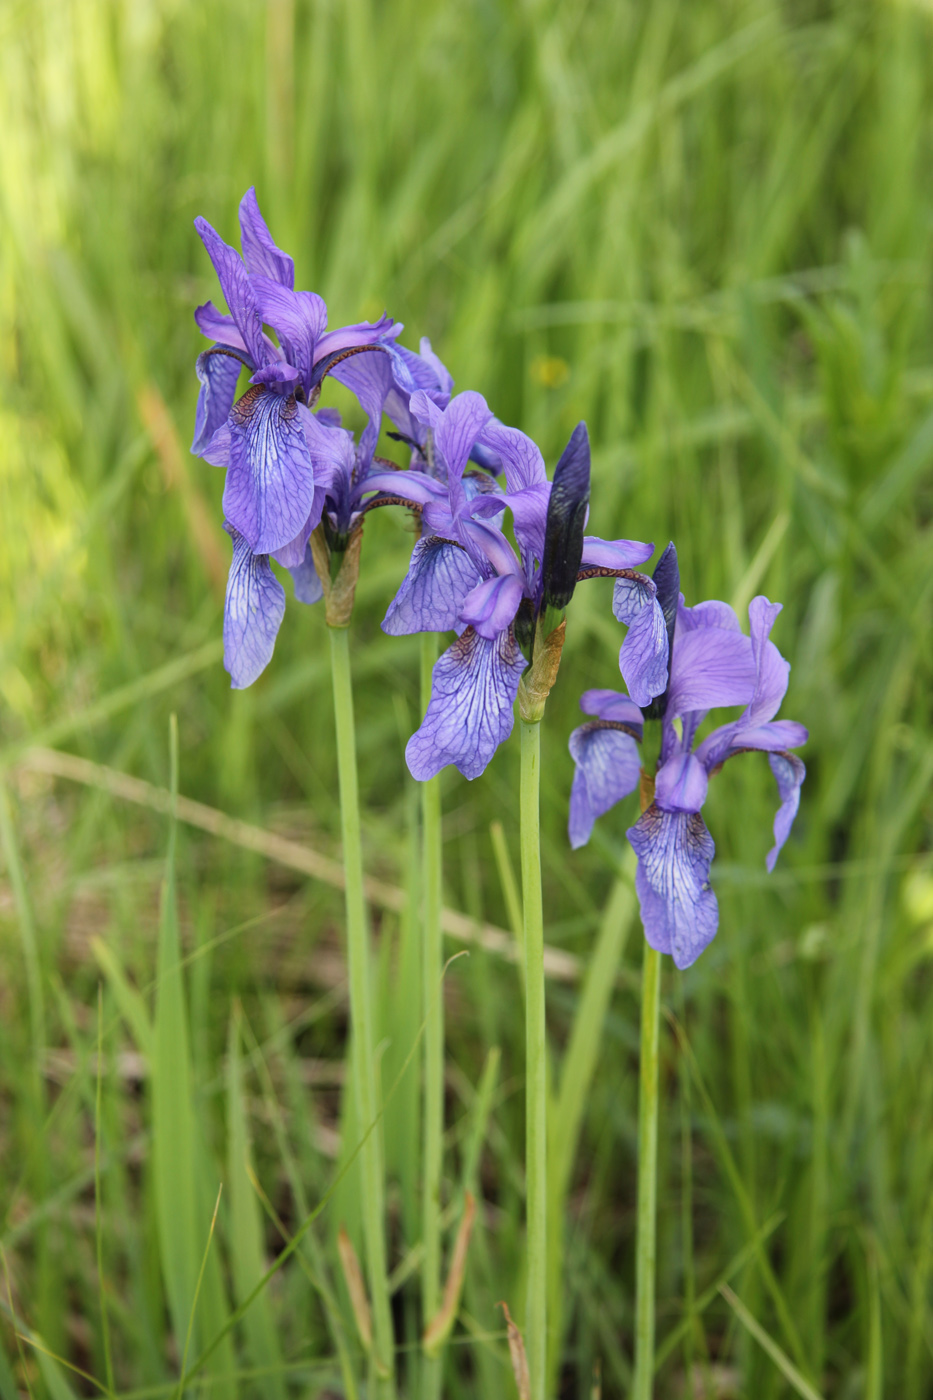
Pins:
<point x="363" y="1061"/>
<point x="646" y="1243"/>
<point x="535" y="1062"/>
<point x="433" y="993"/>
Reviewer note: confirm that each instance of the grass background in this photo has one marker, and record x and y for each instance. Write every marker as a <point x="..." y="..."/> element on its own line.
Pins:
<point x="703" y="227"/>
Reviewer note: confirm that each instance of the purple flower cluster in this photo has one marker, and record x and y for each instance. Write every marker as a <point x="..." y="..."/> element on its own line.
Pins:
<point x="697" y="659"/>
<point x="298" y="485"/>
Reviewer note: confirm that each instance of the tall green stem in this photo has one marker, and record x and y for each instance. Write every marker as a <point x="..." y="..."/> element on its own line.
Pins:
<point x="363" y="1063"/>
<point x="535" y="1062"/>
<point x="646" y="1243"/>
<point x="433" y="995"/>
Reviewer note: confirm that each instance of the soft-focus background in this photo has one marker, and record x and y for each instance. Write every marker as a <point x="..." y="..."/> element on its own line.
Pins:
<point x="704" y="227"/>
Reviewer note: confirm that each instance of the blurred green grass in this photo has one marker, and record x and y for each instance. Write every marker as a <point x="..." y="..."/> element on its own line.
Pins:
<point x="703" y="227"/>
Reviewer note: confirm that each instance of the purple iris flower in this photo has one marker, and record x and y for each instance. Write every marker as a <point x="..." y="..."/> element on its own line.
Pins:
<point x="261" y="439"/>
<point x="465" y="575"/>
<point x="348" y="481"/>
<point x="712" y="663"/>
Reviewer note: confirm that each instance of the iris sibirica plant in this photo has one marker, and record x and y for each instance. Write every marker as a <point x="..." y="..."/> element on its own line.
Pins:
<point x="678" y="664"/>
<point x="298" y="487"/>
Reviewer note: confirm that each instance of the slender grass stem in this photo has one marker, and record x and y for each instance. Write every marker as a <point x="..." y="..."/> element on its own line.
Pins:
<point x="646" y="1241"/>
<point x="535" y="1061"/>
<point x="363" y="1059"/>
<point x="433" y="992"/>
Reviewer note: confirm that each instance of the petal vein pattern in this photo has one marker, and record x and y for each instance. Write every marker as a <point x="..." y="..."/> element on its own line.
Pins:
<point x="269" y="490"/>
<point x="253" y="612"/>
<point x="678" y="909"/>
<point x="439" y="577"/>
<point x="474" y="687"/>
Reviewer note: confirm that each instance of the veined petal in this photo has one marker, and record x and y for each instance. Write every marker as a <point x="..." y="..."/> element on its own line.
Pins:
<point x="709" y="614"/>
<point x="308" y="588"/>
<point x="612" y="705"/>
<point x="413" y="486"/>
<point x="443" y="379"/>
<point x="487" y="543"/>
<point x="253" y="612"/>
<point x="614" y="554"/>
<point x="238" y="293"/>
<point x="439" y="577"/>
<point x="491" y="606"/>
<point x="298" y="317"/>
<point x="643" y="654"/>
<point x="269" y="491"/>
<point x="681" y="784"/>
<point x="474" y="687"/>
<point x="362" y="333"/>
<point x="456" y="429"/>
<point x="262" y="257"/>
<point x="216" y="326"/>
<point x="369" y="377"/>
<point x="218" y="374"/>
<point x="770" y="686"/>
<point x="521" y="457"/>
<point x="710" y="666"/>
<point x="789" y="772"/>
<point x="607" y="769"/>
<point x="678" y="909"/>
<point x="332" y="450"/>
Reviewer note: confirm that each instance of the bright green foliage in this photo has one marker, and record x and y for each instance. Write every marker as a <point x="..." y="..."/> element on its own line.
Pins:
<point x="704" y="227"/>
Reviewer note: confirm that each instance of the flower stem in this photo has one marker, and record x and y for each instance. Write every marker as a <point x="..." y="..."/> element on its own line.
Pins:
<point x="645" y="1247"/>
<point x="535" y="1062"/>
<point x="363" y="1059"/>
<point x="433" y="994"/>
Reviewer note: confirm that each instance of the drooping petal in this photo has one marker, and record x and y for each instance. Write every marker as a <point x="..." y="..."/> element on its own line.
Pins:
<point x="678" y="908"/>
<point x="262" y="257"/>
<point x="491" y="606"/>
<point x="474" y="687"/>
<point x="439" y="577"/>
<point x="253" y="612"/>
<point x="643" y="655"/>
<point x="614" y="706"/>
<point x="238" y="293"/>
<point x="308" y="587"/>
<point x="529" y="509"/>
<point x="789" y="773"/>
<point x="369" y="377"/>
<point x="681" y="784"/>
<point x="710" y="666"/>
<point x="218" y="374"/>
<point x="614" y="554"/>
<point x="487" y="543"/>
<point x="269" y="490"/>
<point x="607" y="769"/>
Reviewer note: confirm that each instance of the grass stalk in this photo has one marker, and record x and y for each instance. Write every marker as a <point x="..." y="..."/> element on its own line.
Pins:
<point x="535" y="1061"/>
<point x="432" y="962"/>
<point x="362" y="1038"/>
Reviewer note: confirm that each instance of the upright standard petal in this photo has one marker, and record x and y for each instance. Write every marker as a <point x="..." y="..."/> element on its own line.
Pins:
<point x="474" y="687"/>
<point x="269" y="491"/>
<point x="218" y="373"/>
<point x="262" y="257"/>
<point x="456" y="429"/>
<point x="253" y="612"/>
<point x="643" y="654"/>
<point x="709" y="667"/>
<point x="298" y="317"/>
<point x="238" y="293"/>
<point x="439" y="577"/>
<point x="607" y="769"/>
<point x="678" y="908"/>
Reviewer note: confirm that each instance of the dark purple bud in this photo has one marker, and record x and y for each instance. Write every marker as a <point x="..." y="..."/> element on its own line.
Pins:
<point x="566" y="521"/>
<point x="666" y="579"/>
